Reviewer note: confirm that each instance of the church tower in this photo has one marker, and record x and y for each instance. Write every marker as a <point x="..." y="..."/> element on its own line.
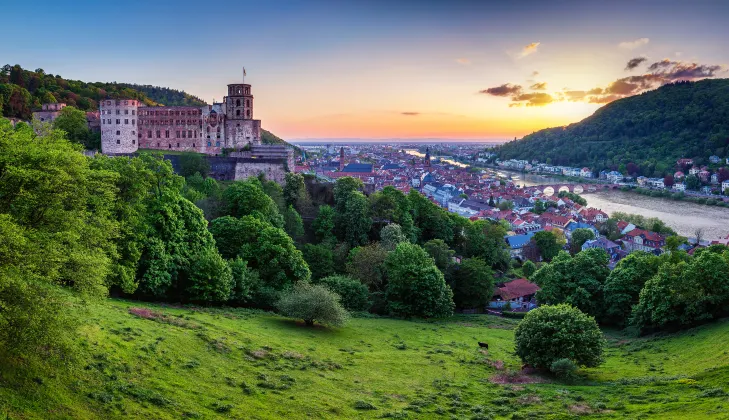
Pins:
<point x="341" y="159"/>
<point x="240" y="127"/>
<point x="427" y="156"/>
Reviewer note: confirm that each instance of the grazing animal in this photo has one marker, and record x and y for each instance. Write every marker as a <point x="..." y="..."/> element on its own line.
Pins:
<point x="484" y="345"/>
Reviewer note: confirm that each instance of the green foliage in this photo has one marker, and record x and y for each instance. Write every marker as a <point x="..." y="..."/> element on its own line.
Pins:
<point x="485" y="240"/>
<point x="391" y="235"/>
<point x="193" y="163"/>
<point x="354" y="295"/>
<point x="392" y="206"/>
<point x="245" y="282"/>
<point x="210" y="278"/>
<point x="472" y="282"/>
<point x="572" y="196"/>
<point x="73" y="122"/>
<point x="563" y="368"/>
<point x="575" y="280"/>
<point x="320" y="260"/>
<point x="357" y="222"/>
<point x="313" y="303"/>
<point x="623" y="285"/>
<point x="165" y="96"/>
<point x="323" y="225"/>
<point x="547" y="244"/>
<point x="366" y="264"/>
<point x="528" y="269"/>
<point x="295" y="194"/>
<point x="293" y="225"/>
<point x="441" y="254"/>
<point x="415" y="285"/>
<point x="244" y="198"/>
<point x="650" y="131"/>
<point x="579" y="237"/>
<point x="652" y="224"/>
<point x="550" y="333"/>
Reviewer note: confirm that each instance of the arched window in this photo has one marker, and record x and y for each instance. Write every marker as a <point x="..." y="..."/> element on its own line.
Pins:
<point x="237" y="112"/>
<point x="248" y="102"/>
<point x="237" y="102"/>
<point x="248" y="113"/>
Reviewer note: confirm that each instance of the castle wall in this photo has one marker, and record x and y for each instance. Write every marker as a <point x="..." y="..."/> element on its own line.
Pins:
<point x="176" y="128"/>
<point x="119" y="125"/>
<point x="273" y="169"/>
<point x="241" y="132"/>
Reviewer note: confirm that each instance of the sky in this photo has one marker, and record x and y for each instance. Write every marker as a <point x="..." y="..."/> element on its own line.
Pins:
<point x="461" y="70"/>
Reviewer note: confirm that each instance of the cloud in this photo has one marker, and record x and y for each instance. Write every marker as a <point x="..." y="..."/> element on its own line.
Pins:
<point x="410" y="114"/>
<point x="679" y="70"/>
<point x="529" y="49"/>
<point x="575" y="95"/>
<point x="603" y="99"/>
<point x="539" y="86"/>
<point x="631" y="45"/>
<point x="507" y="89"/>
<point x="535" y="73"/>
<point x="515" y="104"/>
<point x="635" y="62"/>
<point x="534" y="99"/>
<point x="463" y="61"/>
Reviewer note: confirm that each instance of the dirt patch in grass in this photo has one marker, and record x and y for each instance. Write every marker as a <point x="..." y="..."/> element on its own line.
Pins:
<point x="516" y="377"/>
<point x="151" y="315"/>
<point x="580" y="409"/>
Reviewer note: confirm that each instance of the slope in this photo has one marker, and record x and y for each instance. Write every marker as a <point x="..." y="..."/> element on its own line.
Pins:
<point x="651" y="130"/>
<point x="143" y="360"/>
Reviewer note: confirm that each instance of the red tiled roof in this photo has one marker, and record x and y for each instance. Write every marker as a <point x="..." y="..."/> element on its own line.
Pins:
<point x="516" y="288"/>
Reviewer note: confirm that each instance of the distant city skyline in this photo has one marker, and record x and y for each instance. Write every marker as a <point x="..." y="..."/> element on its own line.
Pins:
<point x="458" y="70"/>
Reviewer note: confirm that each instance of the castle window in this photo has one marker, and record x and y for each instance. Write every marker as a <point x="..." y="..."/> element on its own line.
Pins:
<point x="118" y="121"/>
<point x="149" y="134"/>
<point x="133" y="133"/>
<point x="159" y="134"/>
<point x="167" y="134"/>
<point x="183" y="134"/>
<point x="195" y="135"/>
<point x="118" y="112"/>
<point x="157" y="144"/>
<point x="237" y="112"/>
<point x="132" y="112"/>
<point x="237" y="125"/>
<point x="237" y="102"/>
<point x="118" y="141"/>
<point x="178" y="144"/>
<point x="126" y="112"/>
<point x="126" y="121"/>
<point x="193" y="145"/>
<point x="169" y="146"/>
<point x="118" y="132"/>
<point x="177" y="134"/>
<point x="248" y="103"/>
<point x="217" y="144"/>
<point x="189" y="133"/>
<point x="108" y="102"/>
<point x="134" y="141"/>
<point x="248" y="113"/>
<point x="210" y="143"/>
<point x="132" y="122"/>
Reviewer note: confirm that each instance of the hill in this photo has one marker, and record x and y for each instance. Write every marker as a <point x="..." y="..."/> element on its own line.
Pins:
<point x="166" y="96"/>
<point x="651" y="130"/>
<point x="148" y="361"/>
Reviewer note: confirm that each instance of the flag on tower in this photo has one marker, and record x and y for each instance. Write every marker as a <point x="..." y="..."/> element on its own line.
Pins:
<point x="244" y="71"/>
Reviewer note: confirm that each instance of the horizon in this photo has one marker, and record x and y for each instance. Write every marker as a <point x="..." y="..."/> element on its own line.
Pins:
<point x="462" y="72"/>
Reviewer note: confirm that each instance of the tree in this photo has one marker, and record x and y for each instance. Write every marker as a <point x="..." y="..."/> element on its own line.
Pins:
<point x="313" y="303"/>
<point x="295" y="194"/>
<point x="485" y="240"/>
<point x="579" y="237"/>
<point x="357" y="222"/>
<point x="692" y="182"/>
<point x="529" y="268"/>
<point x="472" y="283"/>
<point x="354" y="295"/>
<point x="245" y="282"/>
<point x="243" y="198"/>
<point x="699" y="234"/>
<point x="210" y="278"/>
<point x="441" y="254"/>
<point x="366" y="263"/>
<point x="193" y="163"/>
<point x="415" y="285"/>
<point x="575" y="280"/>
<point x="320" y="260"/>
<point x="506" y="205"/>
<point x="547" y="244"/>
<point x="343" y="187"/>
<point x="391" y="235"/>
<point x="73" y="122"/>
<point x="293" y="225"/>
<point x="550" y="333"/>
<point x="668" y="180"/>
<point x="323" y="226"/>
<point x="623" y="285"/>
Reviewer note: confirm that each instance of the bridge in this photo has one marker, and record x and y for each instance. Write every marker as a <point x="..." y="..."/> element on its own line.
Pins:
<point x="552" y="189"/>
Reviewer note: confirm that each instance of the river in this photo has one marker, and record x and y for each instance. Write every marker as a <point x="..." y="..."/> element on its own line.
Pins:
<point x="444" y="159"/>
<point x="683" y="217"/>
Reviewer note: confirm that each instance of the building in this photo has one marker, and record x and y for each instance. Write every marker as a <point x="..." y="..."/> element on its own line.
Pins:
<point x="643" y="240"/>
<point x="519" y="294"/>
<point x="48" y="112"/>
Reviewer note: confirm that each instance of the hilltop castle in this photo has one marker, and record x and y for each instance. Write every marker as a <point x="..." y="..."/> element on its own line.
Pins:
<point x="128" y="125"/>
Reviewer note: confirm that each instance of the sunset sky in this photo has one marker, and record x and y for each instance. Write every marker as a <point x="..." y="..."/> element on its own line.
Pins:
<point x="382" y="69"/>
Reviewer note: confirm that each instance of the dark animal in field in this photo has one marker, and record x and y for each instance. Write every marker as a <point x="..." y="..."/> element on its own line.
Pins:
<point x="484" y="345"/>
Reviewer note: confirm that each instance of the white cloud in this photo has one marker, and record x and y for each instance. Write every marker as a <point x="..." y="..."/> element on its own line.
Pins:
<point x="631" y="45"/>
<point x="529" y="49"/>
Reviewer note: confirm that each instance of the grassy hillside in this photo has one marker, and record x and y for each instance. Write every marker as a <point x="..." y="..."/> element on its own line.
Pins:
<point x="168" y="362"/>
<point x="651" y="130"/>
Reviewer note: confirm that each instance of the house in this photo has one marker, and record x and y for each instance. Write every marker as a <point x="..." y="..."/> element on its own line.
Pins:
<point x="643" y="240"/>
<point x="625" y="227"/>
<point x="685" y="162"/>
<point x="678" y="175"/>
<point x="614" y="177"/>
<point x="714" y="178"/>
<point x="517" y="242"/>
<point x="594" y="215"/>
<point x="679" y="186"/>
<point x="714" y="159"/>
<point x="586" y="173"/>
<point x="519" y="294"/>
<point x="704" y="175"/>
<point x="725" y="186"/>
<point x="603" y="243"/>
<point x="694" y="170"/>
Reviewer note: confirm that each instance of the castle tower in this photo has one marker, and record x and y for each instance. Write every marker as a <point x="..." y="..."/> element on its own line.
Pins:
<point x="341" y="159"/>
<point x="119" y="125"/>
<point x="427" y="156"/>
<point x="240" y="127"/>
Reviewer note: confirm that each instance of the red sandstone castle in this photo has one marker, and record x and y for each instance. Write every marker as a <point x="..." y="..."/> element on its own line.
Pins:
<point x="127" y="125"/>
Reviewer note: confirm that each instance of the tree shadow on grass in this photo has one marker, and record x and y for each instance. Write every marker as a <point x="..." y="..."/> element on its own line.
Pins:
<point x="297" y="325"/>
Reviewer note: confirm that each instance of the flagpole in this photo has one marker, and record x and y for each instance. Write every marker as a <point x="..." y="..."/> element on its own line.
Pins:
<point x="244" y="74"/>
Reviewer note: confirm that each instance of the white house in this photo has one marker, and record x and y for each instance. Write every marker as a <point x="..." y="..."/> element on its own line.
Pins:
<point x="725" y="185"/>
<point x="614" y="177"/>
<point x="679" y="186"/>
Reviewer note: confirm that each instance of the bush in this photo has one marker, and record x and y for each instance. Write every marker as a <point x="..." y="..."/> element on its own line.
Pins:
<point x="510" y="314"/>
<point x="563" y="368"/>
<point x="550" y="333"/>
<point x="354" y="295"/>
<point x="528" y="268"/>
<point x="313" y="303"/>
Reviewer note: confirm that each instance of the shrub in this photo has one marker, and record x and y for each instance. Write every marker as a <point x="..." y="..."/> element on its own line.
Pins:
<point x="563" y="368"/>
<point x="510" y="314"/>
<point x="550" y="333"/>
<point x="528" y="268"/>
<point x="354" y="295"/>
<point x="313" y="303"/>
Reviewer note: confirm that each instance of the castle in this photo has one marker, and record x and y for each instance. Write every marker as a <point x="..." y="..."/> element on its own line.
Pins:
<point x="127" y="125"/>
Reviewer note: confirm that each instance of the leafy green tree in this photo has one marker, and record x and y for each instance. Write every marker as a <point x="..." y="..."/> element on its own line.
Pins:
<point x="245" y="281"/>
<point x="295" y="194"/>
<point x="244" y="198"/>
<point x="547" y="244"/>
<point x="392" y="206"/>
<point x="273" y="190"/>
<point x="313" y="303"/>
<point x="210" y="278"/>
<point x="506" y="205"/>
<point x="575" y="280"/>
<point x="485" y="240"/>
<point x="354" y="295"/>
<point x="529" y="268"/>
<point x="320" y="260"/>
<point x="692" y="182"/>
<point x="293" y="224"/>
<point x="415" y="285"/>
<point x="366" y="264"/>
<point x="73" y="122"/>
<point x="623" y="285"/>
<point x="356" y="219"/>
<point x="193" y="163"/>
<point x="323" y="225"/>
<point x="472" y="282"/>
<point x="391" y="235"/>
<point x="550" y="333"/>
<point x="579" y="237"/>
<point x="441" y="254"/>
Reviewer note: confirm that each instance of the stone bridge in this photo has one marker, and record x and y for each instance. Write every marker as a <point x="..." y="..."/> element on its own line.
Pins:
<point x="552" y="189"/>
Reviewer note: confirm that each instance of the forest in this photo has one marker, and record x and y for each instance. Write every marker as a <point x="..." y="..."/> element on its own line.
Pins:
<point x="646" y="132"/>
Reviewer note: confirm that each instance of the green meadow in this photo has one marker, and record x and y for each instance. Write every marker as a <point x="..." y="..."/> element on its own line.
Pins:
<point x="162" y="362"/>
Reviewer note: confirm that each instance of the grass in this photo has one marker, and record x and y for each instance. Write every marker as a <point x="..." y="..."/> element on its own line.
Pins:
<point x="163" y="362"/>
